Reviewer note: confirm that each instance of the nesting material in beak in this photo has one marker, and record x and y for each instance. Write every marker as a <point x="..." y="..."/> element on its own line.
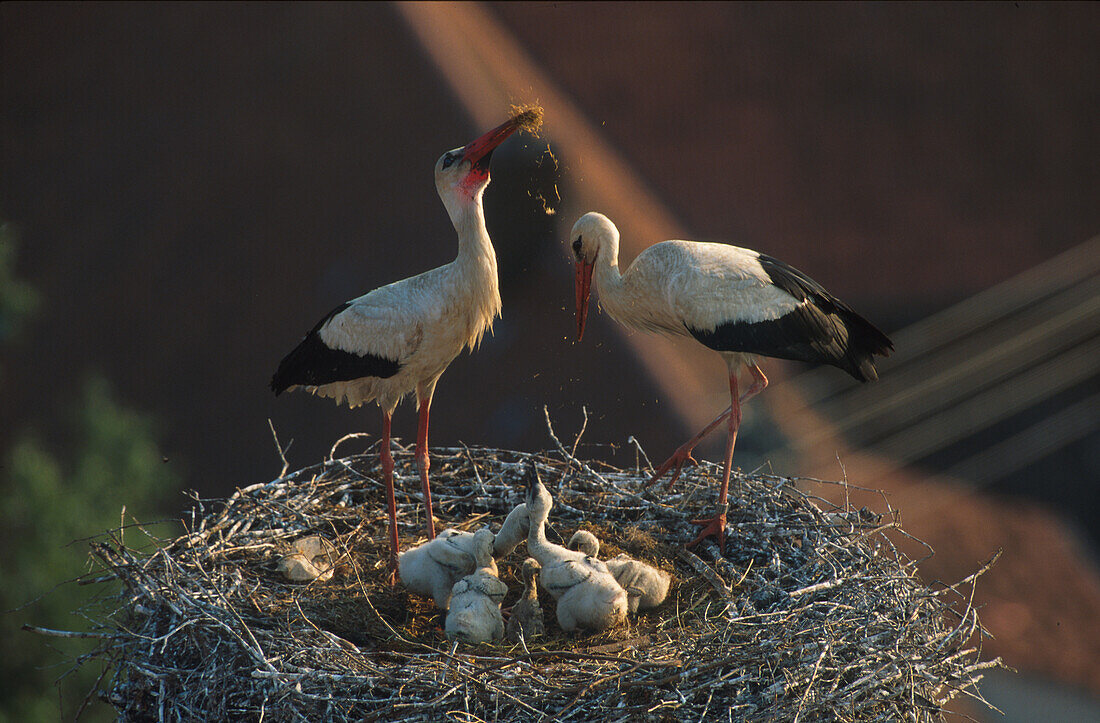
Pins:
<point x="528" y="117"/>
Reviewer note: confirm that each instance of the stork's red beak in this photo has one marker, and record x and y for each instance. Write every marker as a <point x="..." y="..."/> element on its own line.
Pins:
<point x="584" y="289"/>
<point x="478" y="152"/>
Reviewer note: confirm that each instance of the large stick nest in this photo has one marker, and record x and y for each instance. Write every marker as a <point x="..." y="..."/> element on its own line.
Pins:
<point x="811" y="614"/>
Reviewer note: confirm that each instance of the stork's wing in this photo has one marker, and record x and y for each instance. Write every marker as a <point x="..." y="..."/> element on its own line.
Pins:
<point x="710" y="284"/>
<point x="803" y="288"/>
<point x="451" y="556"/>
<point x="559" y="578"/>
<point x="371" y="336"/>
<point x="737" y="300"/>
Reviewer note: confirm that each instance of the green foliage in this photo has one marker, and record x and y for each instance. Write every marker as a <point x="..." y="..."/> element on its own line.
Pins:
<point x="50" y="500"/>
<point x="18" y="300"/>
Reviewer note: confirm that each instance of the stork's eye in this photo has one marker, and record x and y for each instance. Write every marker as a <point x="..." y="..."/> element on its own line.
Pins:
<point x="448" y="161"/>
<point x="577" y="247"/>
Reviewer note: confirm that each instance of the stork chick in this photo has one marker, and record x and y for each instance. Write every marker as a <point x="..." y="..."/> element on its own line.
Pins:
<point x="588" y="595"/>
<point x="526" y="620"/>
<point x="646" y="586"/>
<point x="432" y="569"/>
<point x="475" y="616"/>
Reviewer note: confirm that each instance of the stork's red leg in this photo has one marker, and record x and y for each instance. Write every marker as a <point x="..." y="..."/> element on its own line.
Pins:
<point x="717" y="524"/>
<point x="424" y="464"/>
<point x="759" y="384"/>
<point x="683" y="455"/>
<point x="387" y="473"/>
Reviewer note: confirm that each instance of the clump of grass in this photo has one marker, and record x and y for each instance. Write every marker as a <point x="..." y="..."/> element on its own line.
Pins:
<point x="528" y="117"/>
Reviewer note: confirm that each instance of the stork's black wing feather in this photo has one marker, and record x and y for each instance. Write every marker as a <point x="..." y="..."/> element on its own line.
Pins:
<point x="313" y="363"/>
<point x="822" y="329"/>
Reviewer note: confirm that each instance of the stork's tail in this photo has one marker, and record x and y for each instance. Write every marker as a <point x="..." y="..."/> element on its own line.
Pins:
<point x="865" y="342"/>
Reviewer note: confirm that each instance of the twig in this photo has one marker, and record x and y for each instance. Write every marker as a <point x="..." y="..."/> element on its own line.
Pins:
<point x="279" y="448"/>
<point x="810" y="685"/>
<point x="345" y="438"/>
<point x="638" y="448"/>
<point x="65" y="633"/>
<point x="580" y="433"/>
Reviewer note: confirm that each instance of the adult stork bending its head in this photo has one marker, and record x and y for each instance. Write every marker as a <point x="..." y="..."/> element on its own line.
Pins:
<point x="401" y="337"/>
<point x="736" y="301"/>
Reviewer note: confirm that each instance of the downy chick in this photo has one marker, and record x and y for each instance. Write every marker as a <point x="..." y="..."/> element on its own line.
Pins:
<point x="526" y="614"/>
<point x="433" y="568"/>
<point x="475" y="616"/>
<point x="646" y="586"/>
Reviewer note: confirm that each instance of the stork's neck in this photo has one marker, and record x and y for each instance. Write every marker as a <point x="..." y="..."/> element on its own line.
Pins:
<point x="483" y="557"/>
<point x="512" y="532"/>
<point x="605" y="275"/>
<point x="475" y="249"/>
<point x="625" y="297"/>
<point x="536" y="536"/>
<point x="476" y="264"/>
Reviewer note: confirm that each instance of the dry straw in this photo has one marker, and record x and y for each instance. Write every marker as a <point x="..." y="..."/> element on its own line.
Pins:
<point x="527" y="117"/>
<point x="811" y="615"/>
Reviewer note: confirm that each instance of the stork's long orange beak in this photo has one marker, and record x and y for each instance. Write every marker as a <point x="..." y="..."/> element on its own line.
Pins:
<point x="477" y="152"/>
<point x="584" y="289"/>
<point x="527" y="117"/>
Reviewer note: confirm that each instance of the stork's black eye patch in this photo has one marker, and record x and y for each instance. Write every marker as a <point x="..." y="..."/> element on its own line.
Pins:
<point x="448" y="161"/>
<point x="577" y="246"/>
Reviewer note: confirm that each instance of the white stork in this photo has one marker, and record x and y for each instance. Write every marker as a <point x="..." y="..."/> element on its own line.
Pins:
<point x="401" y="337"/>
<point x="739" y="302"/>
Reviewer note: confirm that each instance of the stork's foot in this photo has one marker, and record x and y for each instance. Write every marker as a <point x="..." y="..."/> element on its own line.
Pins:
<point x="393" y="571"/>
<point x="677" y="461"/>
<point x="712" y="526"/>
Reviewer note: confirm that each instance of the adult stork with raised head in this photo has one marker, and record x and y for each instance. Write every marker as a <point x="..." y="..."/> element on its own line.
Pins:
<point x="400" y="338"/>
<point x="736" y="301"/>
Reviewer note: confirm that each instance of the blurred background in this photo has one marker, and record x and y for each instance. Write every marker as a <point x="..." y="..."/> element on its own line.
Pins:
<point x="187" y="189"/>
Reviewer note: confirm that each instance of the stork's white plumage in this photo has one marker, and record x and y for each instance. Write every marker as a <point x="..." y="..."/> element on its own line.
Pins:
<point x="737" y="301"/>
<point x="400" y="338"/>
